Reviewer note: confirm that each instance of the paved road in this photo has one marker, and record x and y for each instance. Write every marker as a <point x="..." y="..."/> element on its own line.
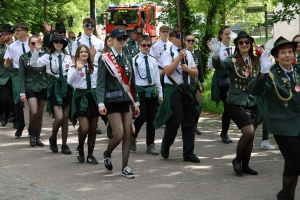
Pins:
<point x="37" y="173"/>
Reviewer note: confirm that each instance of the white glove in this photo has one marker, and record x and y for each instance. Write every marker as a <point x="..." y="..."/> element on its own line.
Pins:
<point x="215" y="46"/>
<point x="265" y="62"/>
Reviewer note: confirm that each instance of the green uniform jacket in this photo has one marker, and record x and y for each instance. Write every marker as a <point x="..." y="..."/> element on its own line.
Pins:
<point x="215" y="91"/>
<point x="5" y="73"/>
<point x="130" y="48"/>
<point x="198" y="61"/>
<point x="282" y="115"/>
<point x="108" y="83"/>
<point x="31" y="79"/>
<point x="237" y="93"/>
<point x="165" y="112"/>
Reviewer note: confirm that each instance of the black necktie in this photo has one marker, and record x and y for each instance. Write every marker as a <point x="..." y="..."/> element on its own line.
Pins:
<point x="120" y="59"/>
<point x="61" y="75"/>
<point x="298" y="59"/>
<point x="165" y="47"/>
<point x="148" y="70"/>
<point x="228" y="51"/>
<point x="90" y="42"/>
<point x="23" y="47"/>
<point x="247" y="62"/>
<point x="178" y="50"/>
<point x="88" y="78"/>
<point x="290" y="75"/>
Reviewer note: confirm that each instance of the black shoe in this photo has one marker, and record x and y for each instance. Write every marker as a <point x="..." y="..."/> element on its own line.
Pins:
<point x="65" y="149"/>
<point x="237" y="166"/>
<point x="39" y="143"/>
<point x="109" y="131"/>
<point x="98" y="131"/>
<point x="198" y="132"/>
<point x="107" y="162"/>
<point x="4" y="120"/>
<point x="80" y="154"/>
<point x="191" y="158"/>
<point x="164" y="152"/>
<point x="91" y="159"/>
<point x="18" y="133"/>
<point x="280" y="196"/>
<point x="248" y="170"/>
<point x="32" y="141"/>
<point x="225" y="139"/>
<point x="15" y="125"/>
<point x="53" y="144"/>
<point x="11" y="118"/>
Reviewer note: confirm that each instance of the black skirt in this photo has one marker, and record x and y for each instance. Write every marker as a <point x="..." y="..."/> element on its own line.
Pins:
<point x="67" y="101"/>
<point x="243" y="116"/>
<point x="290" y="148"/>
<point x="118" y="107"/>
<point x="34" y="95"/>
<point x="91" y="111"/>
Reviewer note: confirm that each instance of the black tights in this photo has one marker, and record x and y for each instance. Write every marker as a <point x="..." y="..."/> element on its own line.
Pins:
<point x="87" y="126"/>
<point x="289" y="184"/>
<point x="61" y="118"/>
<point x="121" y="127"/>
<point x="36" y="116"/>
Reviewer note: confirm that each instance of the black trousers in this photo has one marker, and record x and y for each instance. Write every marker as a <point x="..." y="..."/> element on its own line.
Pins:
<point x="6" y="97"/>
<point x="147" y="114"/>
<point x="184" y="115"/>
<point x="19" y="111"/>
<point x="225" y="115"/>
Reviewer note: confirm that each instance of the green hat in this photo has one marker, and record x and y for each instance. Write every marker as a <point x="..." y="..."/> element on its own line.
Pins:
<point x="242" y="34"/>
<point x="282" y="41"/>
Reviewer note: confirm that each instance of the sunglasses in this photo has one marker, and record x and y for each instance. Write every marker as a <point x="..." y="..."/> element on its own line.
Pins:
<point x="58" y="42"/>
<point x="224" y="27"/>
<point x="89" y="25"/>
<point x="190" y="41"/>
<point x="146" y="45"/>
<point x="179" y="36"/>
<point x="32" y="43"/>
<point x="120" y="39"/>
<point x="242" y="42"/>
<point x="3" y="34"/>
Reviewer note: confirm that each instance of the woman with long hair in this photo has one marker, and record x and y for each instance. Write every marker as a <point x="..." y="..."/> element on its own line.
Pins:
<point x="83" y="77"/>
<point x="242" y="67"/>
<point x="59" y="93"/>
<point x="117" y="98"/>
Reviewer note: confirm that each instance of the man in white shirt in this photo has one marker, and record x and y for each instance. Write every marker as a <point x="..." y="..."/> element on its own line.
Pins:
<point x="13" y="53"/>
<point x="148" y="86"/>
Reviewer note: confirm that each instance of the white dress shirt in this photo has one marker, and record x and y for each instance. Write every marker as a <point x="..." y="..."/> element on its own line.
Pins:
<point x="177" y="74"/>
<point x="139" y="68"/>
<point x="157" y="50"/>
<point x="78" y="81"/>
<point x="37" y="61"/>
<point x="223" y="54"/>
<point x="15" y="50"/>
<point x="84" y="39"/>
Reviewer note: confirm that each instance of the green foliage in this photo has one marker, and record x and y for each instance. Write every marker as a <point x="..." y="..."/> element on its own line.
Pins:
<point x="287" y="14"/>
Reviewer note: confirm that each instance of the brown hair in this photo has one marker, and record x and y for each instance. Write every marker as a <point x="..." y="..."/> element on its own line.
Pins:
<point x="106" y="48"/>
<point x="174" y="31"/>
<point x="89" y="60"/>
<point x="21" y="25"/>
<point x="88" y="21"/>
<point x="144" y="37"/>
<point x="32" y="38"/>
<point x="281" y="47"/>
<point x="164" y="28"/>
<point x="296" y="36"/>
<point x="240" y="59"/>
<point x="221" y="31"/>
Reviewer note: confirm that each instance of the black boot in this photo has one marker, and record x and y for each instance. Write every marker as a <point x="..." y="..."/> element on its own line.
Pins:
<point x="32" y="138"/>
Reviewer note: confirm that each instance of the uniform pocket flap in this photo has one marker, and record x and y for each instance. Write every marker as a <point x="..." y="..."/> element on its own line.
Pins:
<point x="277" y="116"/>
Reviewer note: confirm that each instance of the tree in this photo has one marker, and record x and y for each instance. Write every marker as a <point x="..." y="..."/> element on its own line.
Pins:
<point x="287" y="14"/>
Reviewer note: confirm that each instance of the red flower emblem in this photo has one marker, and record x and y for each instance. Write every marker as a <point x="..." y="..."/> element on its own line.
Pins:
<point x="258" y="52"/>
<point x="67" y="65"/>
<point x="294" y="61"/>
<point x="81" y="74"/>
<point x="225" y="54"/>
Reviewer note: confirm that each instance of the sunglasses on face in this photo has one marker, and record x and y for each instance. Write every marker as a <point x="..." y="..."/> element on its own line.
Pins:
<point x="146" y="45"/>
<point x="32" y="43"/>
<point x="224" y="27"/>
<point x="3" y="34"/>
<point x="179" y="36"/>
<point x="89" y="25"/>
<point x="120" y="39"/>
<point x="58" y="42"/>
<point x="242" y="42"/>
<point x="192" y="41"/>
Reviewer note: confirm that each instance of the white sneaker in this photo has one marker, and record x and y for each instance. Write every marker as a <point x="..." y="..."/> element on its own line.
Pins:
<point x="265" y="144"/>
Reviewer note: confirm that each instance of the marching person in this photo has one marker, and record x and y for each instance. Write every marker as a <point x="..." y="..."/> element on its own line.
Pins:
<point x="132" y="47"/>
<point x="6" y="74"/>
<point x="220" y="81"/>
<point x="59" y="93"/>
<point x="32" y="82"/>
<point x="13" y="53"/>
<point x="242" y="67"/>
<point x="178" y="108"/>
<point x="297" y="55"/>
<point x="189" y="43"/>
<point x="149" y="88"/>
<point x="83" y="77"/>
<point x="117" y="98"/>
<point x="280" y="87"/>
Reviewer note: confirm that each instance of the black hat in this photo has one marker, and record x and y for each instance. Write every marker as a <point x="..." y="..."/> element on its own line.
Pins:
<point x="242" y="34"/>
<point x="121" y="22"/>
<point x="60" y="26"/>
<point x="137" y="29"/>
<point x="58" y="37"/>
<point x="7" y="28"/>
<point x="282" y="41"/>
<point x="117" y="32"/>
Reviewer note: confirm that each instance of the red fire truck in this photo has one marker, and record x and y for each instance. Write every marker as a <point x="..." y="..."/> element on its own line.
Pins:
<point x="138" y="14"/>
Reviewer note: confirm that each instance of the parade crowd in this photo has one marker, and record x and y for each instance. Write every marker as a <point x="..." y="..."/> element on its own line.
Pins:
<point x="127" y="81"/>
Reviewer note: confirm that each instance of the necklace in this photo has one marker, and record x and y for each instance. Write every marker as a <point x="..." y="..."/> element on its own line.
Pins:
<point x="245" y="70"/>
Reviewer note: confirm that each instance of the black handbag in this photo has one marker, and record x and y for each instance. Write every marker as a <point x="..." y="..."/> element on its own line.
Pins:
<point x="114" y="97"/>
<point x="223" y="83"/>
